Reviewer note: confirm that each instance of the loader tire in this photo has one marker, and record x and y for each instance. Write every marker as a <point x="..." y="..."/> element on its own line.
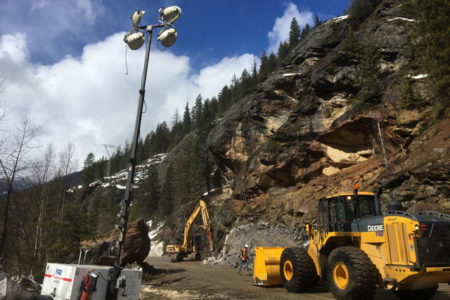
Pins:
<point x="417" y="294"/>
<point x="297" y="270"/>
<point x="351" y="274"/>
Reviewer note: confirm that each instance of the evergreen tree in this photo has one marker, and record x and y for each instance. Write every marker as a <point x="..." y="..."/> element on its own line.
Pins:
<point x="166" y="202"/>
<point x="89" y="171"/>
<point x="187" y="122"/>
<point x="214" y="108"/>
<point x="152" y="182"/>
<point x="317" y="22"/>
<point x="224" y="99"/>
<point x="294" y="33"/>
<point x="272" y="63"/>
<point x="368" y="74"/>
<point x="305" y="31"/>
<point x="359" y="10"/>
<point x="263" y="67"/>
<point x="197" y="111"/>
<point x="245" y="83"/>
<point x="431" y="43"/>
<point x="283" y="51"/>
<point x="89" y="161"/>
<point x="254" y="74"/>
<point x="175" y="118"/>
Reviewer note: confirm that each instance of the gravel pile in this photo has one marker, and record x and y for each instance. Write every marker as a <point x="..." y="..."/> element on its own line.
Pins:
<point x="255" y="235"/>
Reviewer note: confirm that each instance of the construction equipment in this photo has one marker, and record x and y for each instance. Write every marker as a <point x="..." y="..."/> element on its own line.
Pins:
<point x="192" y="246"/>
<point x="356" y="248"/>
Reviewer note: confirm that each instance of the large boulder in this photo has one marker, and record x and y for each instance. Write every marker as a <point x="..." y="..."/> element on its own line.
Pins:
<point x="135" y="248"/>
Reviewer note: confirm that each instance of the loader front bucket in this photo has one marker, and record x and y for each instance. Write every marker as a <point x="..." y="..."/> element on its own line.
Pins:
<point x="267" y="266"/>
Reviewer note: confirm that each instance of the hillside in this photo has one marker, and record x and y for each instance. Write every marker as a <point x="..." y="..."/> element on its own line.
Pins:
<point x="316" y="126"/>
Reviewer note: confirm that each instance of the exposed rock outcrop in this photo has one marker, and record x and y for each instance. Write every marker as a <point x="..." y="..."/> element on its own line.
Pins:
<point x="303" y="134"/>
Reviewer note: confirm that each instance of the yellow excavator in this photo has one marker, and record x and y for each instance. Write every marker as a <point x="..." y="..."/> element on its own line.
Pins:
<point x="191" y="246"/>
<point x="355" y="249"/>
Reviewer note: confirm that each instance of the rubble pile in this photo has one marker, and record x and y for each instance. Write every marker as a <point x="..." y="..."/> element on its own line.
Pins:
<point x="260" y="234"/>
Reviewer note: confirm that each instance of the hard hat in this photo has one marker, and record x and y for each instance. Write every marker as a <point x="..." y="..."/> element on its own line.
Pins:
<point x="245" y="246"/>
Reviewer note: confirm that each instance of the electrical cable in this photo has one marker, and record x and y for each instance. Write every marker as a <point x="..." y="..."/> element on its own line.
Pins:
<point x="126" y="63"/>
<point x="100" y="274"/>
<point x="145" y="107"/>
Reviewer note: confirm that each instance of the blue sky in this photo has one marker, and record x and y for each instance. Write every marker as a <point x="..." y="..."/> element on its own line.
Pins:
<point x="63" y="61"/>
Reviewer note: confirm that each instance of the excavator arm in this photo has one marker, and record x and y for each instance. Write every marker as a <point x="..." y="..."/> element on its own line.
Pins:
<point x="186" y="247"/>
<point x="201" y="208"/>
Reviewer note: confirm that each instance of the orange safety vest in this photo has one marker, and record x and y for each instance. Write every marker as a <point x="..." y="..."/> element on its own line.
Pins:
<point x="244" y="254"/>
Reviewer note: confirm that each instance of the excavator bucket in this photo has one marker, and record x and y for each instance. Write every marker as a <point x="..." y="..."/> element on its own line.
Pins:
<point x="267" y="266"/>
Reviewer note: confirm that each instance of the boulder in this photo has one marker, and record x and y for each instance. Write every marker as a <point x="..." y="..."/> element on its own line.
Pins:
<point x="135" y="248"/>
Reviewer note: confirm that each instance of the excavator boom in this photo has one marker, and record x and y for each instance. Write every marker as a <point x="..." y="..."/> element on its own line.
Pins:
<point x="186" y="248"/>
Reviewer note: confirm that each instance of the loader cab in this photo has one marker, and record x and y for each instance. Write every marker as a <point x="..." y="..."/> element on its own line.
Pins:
<point x="343" y="212"/>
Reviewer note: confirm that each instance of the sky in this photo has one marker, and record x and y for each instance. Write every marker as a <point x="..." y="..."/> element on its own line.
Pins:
<point x="63" y="63"/>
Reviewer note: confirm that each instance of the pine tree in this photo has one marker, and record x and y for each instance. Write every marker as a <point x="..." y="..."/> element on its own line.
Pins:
<point x="263" y="68"/>
<point x="224" y="99"/>
<point x="166" y="202"/>
<point x="175" y="118"/>
<point x="305" y="31"/>
<point x="359" y="10"/>
<point x="245" y="83"/>
<point x="89" y="170"/>
<point x="197" y="111"/>
<point x="89" y="161"/>
<point x="294" y="33"/>
<point x="254" y="74"/>
<point x="368" y="74"/>
<point x="283" y="51"/>
<point x="272" y="63"/>
<point x="187" y="122"/>
<point x="431" y="43"/>
<point x="317" y="22"/>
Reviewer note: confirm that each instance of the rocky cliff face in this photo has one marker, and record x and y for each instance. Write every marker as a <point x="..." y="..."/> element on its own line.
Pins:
<point x="303" y="134"/>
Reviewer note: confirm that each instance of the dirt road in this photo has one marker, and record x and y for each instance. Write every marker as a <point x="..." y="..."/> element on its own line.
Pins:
<point x="194" y="280"/>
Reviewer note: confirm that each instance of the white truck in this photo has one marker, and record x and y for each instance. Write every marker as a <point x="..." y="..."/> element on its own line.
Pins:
<point x="65" y="282"/>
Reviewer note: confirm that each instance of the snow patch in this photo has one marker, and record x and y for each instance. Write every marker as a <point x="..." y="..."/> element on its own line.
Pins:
<point x="157" y="249"/>
<point x="338" y="19"/>
<point x="207" y="193"/>
<point x="290" y="74"/>
<point x="420" y="76"/>
<point x="400" y="19"/>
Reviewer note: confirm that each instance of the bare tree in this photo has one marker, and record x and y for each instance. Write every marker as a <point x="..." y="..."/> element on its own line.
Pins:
<point x="14" y="148"/>
<point x="43" y="173"/>
<point x="67" y="164"/>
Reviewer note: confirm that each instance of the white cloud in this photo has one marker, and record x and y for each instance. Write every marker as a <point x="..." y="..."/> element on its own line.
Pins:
<point x="281" y="28"/>
<point x="89" y="100"/>
<point x="13" y="47"/>
<point x="222" y="72"/>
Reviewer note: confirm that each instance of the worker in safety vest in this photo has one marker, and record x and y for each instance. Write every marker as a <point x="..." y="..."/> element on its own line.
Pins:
<point x="243" y="259"/>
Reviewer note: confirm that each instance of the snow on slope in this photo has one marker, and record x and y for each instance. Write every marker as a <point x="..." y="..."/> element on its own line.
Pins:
<point x="119" y="179"/>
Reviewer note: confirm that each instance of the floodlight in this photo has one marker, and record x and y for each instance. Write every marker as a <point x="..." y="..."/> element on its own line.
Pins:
<point x="136" y="17"/>
<point x="167" y="37"/>
<point x="135" y="40"/>
<point x="169" y="15"/>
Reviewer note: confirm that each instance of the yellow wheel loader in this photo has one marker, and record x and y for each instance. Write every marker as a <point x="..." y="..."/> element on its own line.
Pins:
<point x="192" y="246"/>
<point x="356" y="249"/>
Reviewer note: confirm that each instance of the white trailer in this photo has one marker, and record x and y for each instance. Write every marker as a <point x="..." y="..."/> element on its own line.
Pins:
<point x="63" y="282"/>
